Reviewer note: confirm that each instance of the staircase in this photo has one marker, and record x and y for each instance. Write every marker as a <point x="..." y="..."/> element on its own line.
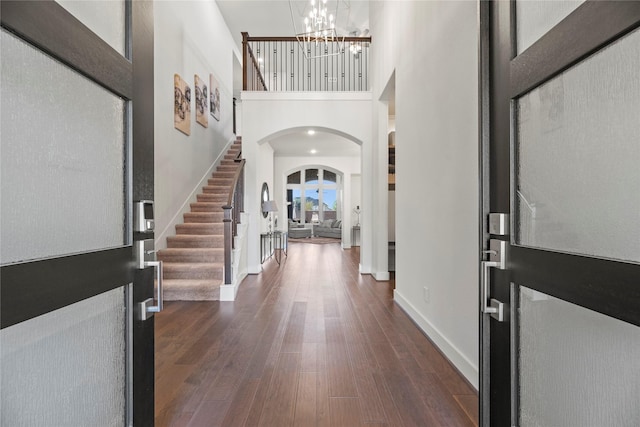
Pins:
<point x="194" y="259"/>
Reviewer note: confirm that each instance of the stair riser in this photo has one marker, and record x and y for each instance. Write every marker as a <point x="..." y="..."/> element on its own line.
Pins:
<point x="220" y="181"/>
<point x="226" y="169"/>
<point x="192" y="273"/>
<point x="191" y="290"/>
<point x="206" y="207"/>
<point x="227" y="162"/>
<point x="200" y="229"/>
<point x="214" y="187"/>
<point x="188" y="241"/>
<point x="212" y="198"/>
<point x="223" y="175"/>
<point x="213" y="195"/>
<point x="192" y="256"/>
<point x="203" y="217"/>
<point x="217" y="183"/>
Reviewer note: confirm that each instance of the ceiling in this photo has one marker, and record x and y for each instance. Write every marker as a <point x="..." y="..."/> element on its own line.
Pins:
<point x="263" y="18"/>
<point x="300" y="144"/>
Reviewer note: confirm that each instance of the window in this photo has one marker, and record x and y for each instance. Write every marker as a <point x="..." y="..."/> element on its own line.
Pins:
<point x="315" y="195"/>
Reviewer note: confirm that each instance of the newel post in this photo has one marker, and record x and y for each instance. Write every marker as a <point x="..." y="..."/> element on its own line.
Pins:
<point x="245" y="59"/>
<point x="228" y="238"/>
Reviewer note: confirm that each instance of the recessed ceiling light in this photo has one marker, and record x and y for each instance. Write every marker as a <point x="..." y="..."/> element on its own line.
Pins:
<point x="313" y="151"/>
<point x="311" y="131"/>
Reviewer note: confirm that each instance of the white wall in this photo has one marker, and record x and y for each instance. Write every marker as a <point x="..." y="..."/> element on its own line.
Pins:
<point x="269" y="114"/>
<point x="347" y="166"/>
<point x="191" y="38"/>
<point x="432" y="47"/>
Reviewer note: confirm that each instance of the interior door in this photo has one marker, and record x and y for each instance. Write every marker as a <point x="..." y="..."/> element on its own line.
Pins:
<point x="561" y="154"/>
<point x="77" y="151"/>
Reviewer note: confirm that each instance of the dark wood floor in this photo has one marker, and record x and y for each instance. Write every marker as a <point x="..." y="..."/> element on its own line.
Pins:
<point x="307" y="343"/>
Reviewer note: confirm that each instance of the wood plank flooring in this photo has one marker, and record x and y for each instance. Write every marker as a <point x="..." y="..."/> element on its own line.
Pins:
<point x="308" y="343"/>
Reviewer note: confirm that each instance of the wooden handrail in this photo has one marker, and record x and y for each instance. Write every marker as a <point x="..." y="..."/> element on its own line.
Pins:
<point x="247" y="53"/>
<point x="236" y="176"/>
<point x="313" y="38"/>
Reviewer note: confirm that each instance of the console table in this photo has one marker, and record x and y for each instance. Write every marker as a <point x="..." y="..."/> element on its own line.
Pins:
<point x="273" y="244"/>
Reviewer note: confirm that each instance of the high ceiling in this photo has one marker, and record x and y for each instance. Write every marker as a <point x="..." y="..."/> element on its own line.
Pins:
<point x="263" y="18"/>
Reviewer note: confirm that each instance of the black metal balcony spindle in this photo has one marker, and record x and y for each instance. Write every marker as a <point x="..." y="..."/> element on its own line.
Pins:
<point x="286" y="64"/>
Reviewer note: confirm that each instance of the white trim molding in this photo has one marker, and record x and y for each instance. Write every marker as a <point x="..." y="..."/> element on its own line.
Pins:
<point x="459" y="360"/>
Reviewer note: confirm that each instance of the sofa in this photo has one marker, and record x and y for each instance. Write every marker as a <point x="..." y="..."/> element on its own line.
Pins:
<point x="298" y="231"/>
<point x="328" y="228"/>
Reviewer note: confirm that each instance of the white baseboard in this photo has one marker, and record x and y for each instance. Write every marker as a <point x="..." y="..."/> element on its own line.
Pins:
<point x="229" y="292"/>
<point x="363" y="270"/>
<point x="460" y="361"/>
<point x="381" y="276"/>
<point x="170" y="229"/>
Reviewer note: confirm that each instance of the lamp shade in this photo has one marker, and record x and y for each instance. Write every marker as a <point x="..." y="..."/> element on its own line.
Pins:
<point x="269" y="206"/>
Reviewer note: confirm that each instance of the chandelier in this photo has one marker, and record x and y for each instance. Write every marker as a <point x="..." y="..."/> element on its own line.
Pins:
<point x="320" y="29"/>
<point x="317" y="22"/>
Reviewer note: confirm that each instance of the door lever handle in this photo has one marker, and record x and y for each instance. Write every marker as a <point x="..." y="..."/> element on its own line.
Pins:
<point x="497" y="260"/>
<point x="146" y="309"/>
<point x="484" y="278"/>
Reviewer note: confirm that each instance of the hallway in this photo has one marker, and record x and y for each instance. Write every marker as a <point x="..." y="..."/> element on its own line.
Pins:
<point x="307" y="343"/>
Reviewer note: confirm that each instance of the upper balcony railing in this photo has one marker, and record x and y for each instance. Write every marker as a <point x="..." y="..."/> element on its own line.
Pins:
<point x="287" y="64"/>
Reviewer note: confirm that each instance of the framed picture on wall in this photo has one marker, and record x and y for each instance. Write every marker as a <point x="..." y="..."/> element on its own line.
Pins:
<point x="202" y="101"/>
<point x="182" y="105"/>
<point x="214" y="97"/>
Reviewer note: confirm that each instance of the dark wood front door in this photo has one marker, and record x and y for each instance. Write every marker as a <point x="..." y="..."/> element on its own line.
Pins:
<point x="560" y="100"/>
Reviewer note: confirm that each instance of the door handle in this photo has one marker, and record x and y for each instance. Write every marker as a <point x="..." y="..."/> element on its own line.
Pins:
<point x="146" y="309"/>
<point x="497" y="259"/>
<point x="144" y="254"/>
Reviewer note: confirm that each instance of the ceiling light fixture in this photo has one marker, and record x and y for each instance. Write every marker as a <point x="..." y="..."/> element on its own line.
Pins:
<point x="317" y="22"/>
<point x="311" y="132"/>
<point x="313" y="151"/>
<point x="319" y="28"/>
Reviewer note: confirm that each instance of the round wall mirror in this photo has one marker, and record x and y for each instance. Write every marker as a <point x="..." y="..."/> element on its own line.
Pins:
<point x="264" y="196"/>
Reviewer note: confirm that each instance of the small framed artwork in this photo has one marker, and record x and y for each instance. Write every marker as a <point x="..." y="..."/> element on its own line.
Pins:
<point x="202" y="102"/>
<point x="182" y="105"/>
<point x="214" y="97"/>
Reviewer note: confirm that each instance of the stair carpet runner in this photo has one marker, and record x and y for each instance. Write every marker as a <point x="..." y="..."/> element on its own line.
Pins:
<point x="194" y="259"/>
